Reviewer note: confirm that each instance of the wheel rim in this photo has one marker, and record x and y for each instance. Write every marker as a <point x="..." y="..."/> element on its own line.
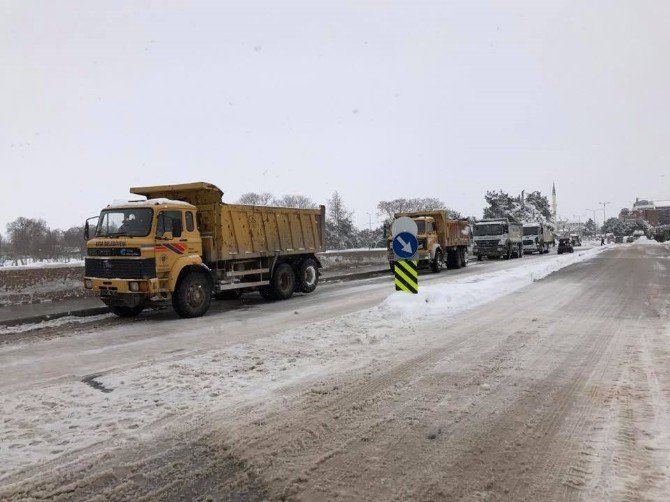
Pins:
<point x="195" y="295"/>
<point x="310" y="276"/>
<point x="284" y="281"/>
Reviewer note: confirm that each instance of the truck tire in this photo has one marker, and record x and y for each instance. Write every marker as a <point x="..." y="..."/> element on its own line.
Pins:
<point x="282" y="283"/>
<point x="123" y="311"/>
<point x="463" y="253"/>
<point x="479" y="257"/>
<point x="438" y="262"/>
<point x="508" y="254"/>
<point x="192" y="296"/>
<point x="453" y="260"/>
<point x="308" y="276"/>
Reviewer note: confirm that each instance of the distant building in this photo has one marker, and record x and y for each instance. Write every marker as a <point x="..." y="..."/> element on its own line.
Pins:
<point x="653" y="213"/>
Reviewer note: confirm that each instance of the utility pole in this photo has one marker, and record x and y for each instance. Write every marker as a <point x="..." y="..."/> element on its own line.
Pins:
<point x="604" y="205"/>
<point x="594" y="216"/>
<point x="370" y="225"/>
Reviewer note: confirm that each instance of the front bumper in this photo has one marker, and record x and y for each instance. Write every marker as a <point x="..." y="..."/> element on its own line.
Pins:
<point x="111" y="287"/>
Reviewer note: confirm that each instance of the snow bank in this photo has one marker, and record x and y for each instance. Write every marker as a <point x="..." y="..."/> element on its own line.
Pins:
<point x="42" y="264"/>
<point x="473" y="290"/>
<point x="646" y="241"/>
<point x="61" y="321"/>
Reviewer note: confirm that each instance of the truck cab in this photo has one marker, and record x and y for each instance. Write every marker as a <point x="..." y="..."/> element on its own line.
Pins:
<point x="498" y="239"/>
<point x="135" y="249"/>
<point x="536" y="238"/>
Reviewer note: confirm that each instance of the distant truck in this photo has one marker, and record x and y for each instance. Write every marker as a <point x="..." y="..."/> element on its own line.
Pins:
<point x="442" y="240"/>
<point x="498" y="239"/>
<point x="183" y="245"/>
<point x="537" y="237"/>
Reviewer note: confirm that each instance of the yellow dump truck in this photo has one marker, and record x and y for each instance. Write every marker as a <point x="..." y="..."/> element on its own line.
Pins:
<point x="442" y="240"/>
<point x="183" y="245"/>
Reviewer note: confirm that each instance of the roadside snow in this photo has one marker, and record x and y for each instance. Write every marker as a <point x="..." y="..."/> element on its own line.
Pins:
<point x="61" y="321"/>
<point x="43" y="264"/>
<point x="471" y="291"/>
<point x="645" y="241"/>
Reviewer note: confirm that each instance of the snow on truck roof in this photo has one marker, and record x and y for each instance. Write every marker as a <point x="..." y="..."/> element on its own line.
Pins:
<point x="118" y="204"/>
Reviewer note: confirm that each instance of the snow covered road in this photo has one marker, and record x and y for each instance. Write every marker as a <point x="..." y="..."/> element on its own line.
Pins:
<point x="350" y="393"/>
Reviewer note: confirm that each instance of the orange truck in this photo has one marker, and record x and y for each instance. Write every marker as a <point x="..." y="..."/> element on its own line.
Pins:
<point x="183" y="245"/>
<point x="443" y="241"/>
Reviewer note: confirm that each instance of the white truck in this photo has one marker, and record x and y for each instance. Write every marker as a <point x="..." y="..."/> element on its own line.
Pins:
<point x="498" y="239"/>
<point x="537" y="237"/>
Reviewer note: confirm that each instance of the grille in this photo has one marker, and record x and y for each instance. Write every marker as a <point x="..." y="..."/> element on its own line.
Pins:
<point x="528" y="243"/>
<point x="487" y="244"/>
<point x="121" y="268"/>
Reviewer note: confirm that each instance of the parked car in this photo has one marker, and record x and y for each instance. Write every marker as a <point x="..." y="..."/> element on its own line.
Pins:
<point x="576" y="239"/>
<point x="630" y="239"/>
<point x="565" y="245"/>
<point x="618" y="239"/>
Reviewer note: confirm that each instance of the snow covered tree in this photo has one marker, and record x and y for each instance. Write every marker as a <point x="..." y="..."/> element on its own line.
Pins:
<point x="298" y="201"/>
<point x="614" y="226"/>
<point x="533" y="207"/>
<point x="340" y="230"/>
<point x="590" y="228"/>
<point x="256" y="199"/>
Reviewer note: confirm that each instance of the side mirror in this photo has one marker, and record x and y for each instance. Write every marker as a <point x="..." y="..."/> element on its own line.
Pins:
<point x="386" y="232"/>
<point x="86" y="231"/>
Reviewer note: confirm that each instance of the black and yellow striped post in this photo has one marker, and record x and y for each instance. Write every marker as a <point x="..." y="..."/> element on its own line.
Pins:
<point x="406" y="274"/>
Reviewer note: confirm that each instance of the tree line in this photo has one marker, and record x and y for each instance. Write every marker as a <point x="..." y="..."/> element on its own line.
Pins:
<point x="29" y="239"/>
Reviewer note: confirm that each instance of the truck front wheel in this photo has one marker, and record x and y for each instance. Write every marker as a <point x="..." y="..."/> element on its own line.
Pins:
<point x="123" y="311"/>
<point x="192" y="296"/>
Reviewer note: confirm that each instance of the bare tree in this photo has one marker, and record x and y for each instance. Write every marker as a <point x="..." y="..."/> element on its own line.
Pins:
<point x="257" y="199"/>
<point x="28" y="237"/>
<point x="297" y="201"/>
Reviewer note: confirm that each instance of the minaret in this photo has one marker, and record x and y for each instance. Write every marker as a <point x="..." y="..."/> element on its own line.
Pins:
<point x="553" y="204"/>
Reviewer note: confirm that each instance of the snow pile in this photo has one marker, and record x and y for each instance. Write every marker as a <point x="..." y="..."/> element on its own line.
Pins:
<point x="454" y="297"/>
<point x="9" y="265"/>
<point x="646" y="241"/>
<point x="54" y="323"/>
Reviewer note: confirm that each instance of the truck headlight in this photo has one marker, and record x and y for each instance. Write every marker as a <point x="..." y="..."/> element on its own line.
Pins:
<point x="133" y="286"/>
<point x="88" y="284"/>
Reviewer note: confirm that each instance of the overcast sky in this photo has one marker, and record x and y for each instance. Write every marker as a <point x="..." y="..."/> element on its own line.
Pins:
<point x="378" y="100"/>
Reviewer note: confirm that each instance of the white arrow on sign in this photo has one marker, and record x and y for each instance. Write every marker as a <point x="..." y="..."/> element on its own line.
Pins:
<point x="406" y="246"/>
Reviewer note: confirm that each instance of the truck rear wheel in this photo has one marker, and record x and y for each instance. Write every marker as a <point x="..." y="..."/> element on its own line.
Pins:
<point x="438" y="262"/>
<point x="282" y="284"/>
<point x="123" y="311"/>
<point x="308" y="276"/>
<point x="192" y="296"/>
<point x="453" y="259"/>
<point x="463" y="255"/>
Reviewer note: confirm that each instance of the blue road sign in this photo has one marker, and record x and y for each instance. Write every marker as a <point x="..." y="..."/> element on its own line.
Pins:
<point x="405" y="245"/>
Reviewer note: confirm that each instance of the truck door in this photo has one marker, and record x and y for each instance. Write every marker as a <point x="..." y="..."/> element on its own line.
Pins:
<point x="169" y="244"/>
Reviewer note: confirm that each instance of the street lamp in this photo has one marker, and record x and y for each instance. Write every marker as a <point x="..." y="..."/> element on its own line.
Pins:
<point x="604" y="205"/>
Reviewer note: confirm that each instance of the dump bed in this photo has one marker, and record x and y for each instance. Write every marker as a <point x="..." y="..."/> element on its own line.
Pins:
<point x="450" y="232"/>
<point x="235" y="231"/>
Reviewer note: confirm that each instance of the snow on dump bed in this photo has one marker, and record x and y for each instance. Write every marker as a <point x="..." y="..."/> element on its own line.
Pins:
<point x="471" y="291"/>
<point x="126" y="404"/>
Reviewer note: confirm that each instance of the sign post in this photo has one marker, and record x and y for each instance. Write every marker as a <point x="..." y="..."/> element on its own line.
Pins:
<point x="405" y="246"/>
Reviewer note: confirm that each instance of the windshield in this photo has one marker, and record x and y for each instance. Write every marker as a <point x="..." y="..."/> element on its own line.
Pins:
<point x="531" y="230"/>
<point x="130" y="222"/>
<point x="488" y="229"/>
